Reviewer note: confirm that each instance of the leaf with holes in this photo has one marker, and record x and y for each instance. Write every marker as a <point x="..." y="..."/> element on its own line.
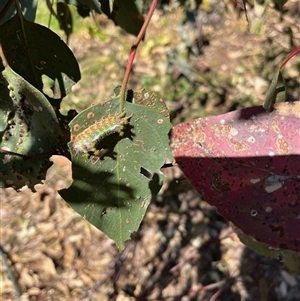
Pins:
<point x="36" y="53"/>
<point x="247" y="164"/>
<point x="29" y="128"/>
<point x="116" y="174"/>
<point x="126" y="14"/>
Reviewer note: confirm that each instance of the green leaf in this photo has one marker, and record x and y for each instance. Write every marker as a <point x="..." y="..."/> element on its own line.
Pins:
<point x="114" y="193"/>
<point x="289" y="258"/>
<point x="276" y="91"/>
<point x="64" y="17"/>
<point x="29" y="128"/>
<point x="33" y="50"/>
<point x="92" y="4"/>
<point x="83" y="11"/>
<point x="28" y="8"/>
<point x="126" y="14"/>
<point x="150" y="100"/>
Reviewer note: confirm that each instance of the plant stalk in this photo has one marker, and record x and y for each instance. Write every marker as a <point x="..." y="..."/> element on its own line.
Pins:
<point x="133" y="52"/>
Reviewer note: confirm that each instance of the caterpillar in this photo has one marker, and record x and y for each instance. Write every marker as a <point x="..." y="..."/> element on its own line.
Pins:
<point x="87" y="140"/>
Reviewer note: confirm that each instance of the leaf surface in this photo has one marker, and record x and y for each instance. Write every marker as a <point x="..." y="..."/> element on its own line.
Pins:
<point x="126" y="14"/>
<point x="247" y="164"/>
<point x="29" y="127"/>
<point x="114" y="192"/>
<point x="86" y="4"/>
<point x="29" y="11"/>
<point x="33" y="50"/>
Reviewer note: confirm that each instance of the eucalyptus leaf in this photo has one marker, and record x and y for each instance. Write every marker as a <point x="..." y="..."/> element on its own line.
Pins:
<point x="28" y="8"/>
<point x="113" y="191"/>
<point x="30" y="129"/>
<point x="33" y="50"/>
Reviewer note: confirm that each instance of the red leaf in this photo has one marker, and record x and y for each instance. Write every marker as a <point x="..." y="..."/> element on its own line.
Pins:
<point x="247" y="164"/>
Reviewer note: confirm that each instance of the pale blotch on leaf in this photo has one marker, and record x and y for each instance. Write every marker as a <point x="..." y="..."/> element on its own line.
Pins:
<point x="282" y="146"/>
<point x="76" y="127"/>
<point x="251" y="139"/>
<point x="253" y="213"/>
<point x="268" y="209"/>
<point x="271" y="154"/>
<point x="238" y="146"/>
<point x="254" y="181"/>
<point x="273" y="187"/>
<point x="233" y="131"/>
<point x="90" y="115"/>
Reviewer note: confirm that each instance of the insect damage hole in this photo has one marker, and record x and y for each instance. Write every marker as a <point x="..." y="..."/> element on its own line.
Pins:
<point x="48" y="85"/>
<point x="146" y="173"/>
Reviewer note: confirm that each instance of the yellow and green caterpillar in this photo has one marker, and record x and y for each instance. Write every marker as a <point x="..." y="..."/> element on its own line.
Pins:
<point x="87" y="140"/>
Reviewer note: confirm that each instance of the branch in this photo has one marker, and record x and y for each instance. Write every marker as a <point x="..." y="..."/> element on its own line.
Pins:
<point x="133" y="52"/>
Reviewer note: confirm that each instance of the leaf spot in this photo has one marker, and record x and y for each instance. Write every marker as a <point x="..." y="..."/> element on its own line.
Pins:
<point x="253" y="213"/>
<point x="233" y="131"/>
<point x="238" y="146"/>
<point x="95" y="159"/>
<point x="273" y="187"/>
<point x="251" y="139"/>
<point x="222" y="130"/>
<point x="275" y="126"/>
<point x="271" y="154"/>
<point x="76" y="127"/>
<point x="282" y="146"/>
<point x="269" y="209"/>
<point x="90" y="115"/>
<point x="254" y="181"/>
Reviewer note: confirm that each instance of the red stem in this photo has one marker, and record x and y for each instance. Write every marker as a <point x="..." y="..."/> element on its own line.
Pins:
<point x="133" y="52"/>
<point x="289" y="56"/>
<point x="216" y="295"/>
